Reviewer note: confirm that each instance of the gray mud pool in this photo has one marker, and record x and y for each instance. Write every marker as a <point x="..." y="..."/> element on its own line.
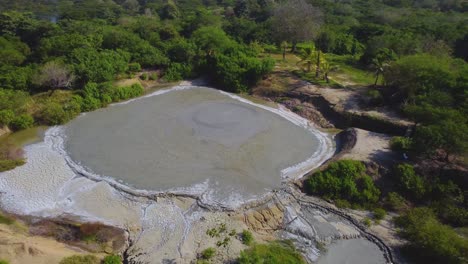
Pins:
<point x="192" y="138"/>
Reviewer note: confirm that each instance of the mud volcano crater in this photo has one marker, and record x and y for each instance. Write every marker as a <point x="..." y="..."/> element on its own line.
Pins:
<point x="197" y="140"/>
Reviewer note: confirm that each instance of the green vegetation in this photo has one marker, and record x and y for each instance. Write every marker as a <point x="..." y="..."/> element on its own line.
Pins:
<point x="4" y="261"/>
<point x="401" y="144"/>
<point x="4" y="219"/>
<point x="272" y="253"/>
<point x="395" y="202"/>
<point x="344" y="180"/>
<point x="112" y="259"/>
<point x="247" y="237"/>
<point x="379" y="214"/>
<point x="431" y="241"/>
<point x="208" y="253"/>
<point x="80" y="259"/>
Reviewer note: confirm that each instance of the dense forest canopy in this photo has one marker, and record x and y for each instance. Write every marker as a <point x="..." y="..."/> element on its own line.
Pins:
<point x="60" y="58"/>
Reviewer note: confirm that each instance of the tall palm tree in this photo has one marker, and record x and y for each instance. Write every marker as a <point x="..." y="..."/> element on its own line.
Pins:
<point x="381" y="61"/>
<point x="284" y="46"/>
<point x="379" y="66"/>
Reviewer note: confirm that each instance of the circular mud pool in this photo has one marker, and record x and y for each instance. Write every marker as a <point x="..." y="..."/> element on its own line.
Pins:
<point x="196" y="140"/>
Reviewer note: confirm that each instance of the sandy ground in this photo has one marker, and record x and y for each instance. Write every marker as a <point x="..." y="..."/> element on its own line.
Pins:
<point x="18" y="247"/>
<point x="371" y="146"/>
<point x="349" y="100"/>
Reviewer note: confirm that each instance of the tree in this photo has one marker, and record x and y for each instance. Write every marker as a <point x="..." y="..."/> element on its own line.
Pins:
<point x="95" y="66"/>
<point x="211" y="39"/>
<point x="55" y="75"/>
<point x="308" y="57"/>
<point x="431" y="241"/>
<point x="381" y="62"/>
<point x="409" y="181"/>
<point x="326" y="69"/>
<point x="284" y="45"/>
<point x="296" y="21"/>
<point x="311" y="56"/>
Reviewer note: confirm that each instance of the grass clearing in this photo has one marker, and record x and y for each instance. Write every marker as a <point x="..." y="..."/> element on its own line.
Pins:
<point x="349" y="72"/>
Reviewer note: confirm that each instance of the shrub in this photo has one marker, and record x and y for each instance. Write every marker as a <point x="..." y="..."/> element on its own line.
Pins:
<point x="340" y="203"/>
<point x="375" y="98"/>
<point x="54" y="114"/>
<point x="396" y="202"/>
<point x="144" y="76"/>
<point x="134" y="67"/>
<point x="344" y="180"/>
<point x="90" y="104"/>
<point x="22" y="122"/>
<point x="76" y="259"/>
<point x="9" y="164"/>
<point x="153" y="76"/>
<point x="247" y="237"/>
<point x="367" y="222"/>
<point x="177" y="71"/>
<point x="409" y="181"/>
<point x="112" y="259"/>
<point x="272" y="253"/>
<point x="401" y="144"/>
<point x="379" y="214"/>
<point x="6" y="116"/>
<point x="208" y="253"/>
<point x="6" y="219"/>
<point x="431" y="241"/>
<point x="124" y="92"/>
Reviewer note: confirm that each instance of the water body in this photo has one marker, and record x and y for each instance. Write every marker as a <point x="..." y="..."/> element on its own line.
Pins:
<point x="193" y="137"/>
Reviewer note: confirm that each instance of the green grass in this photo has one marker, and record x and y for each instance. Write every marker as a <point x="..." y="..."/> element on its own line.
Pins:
<point x="310" y="77"/>
<point x="349" y="71"/>
<point x="272" y="253"/>
<point x="6" y="219"/>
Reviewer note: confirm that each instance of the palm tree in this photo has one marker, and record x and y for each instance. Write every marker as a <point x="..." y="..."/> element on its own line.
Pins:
<point x="308" y="57"/>
<point x="379" y="66"/>
<point x="284" y="45"/>
<point x="381" y="62"/>
<point x="326" y="69"/>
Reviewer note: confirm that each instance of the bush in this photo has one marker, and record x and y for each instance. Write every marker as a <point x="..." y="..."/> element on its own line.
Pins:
<point x="153" y="76"/>
<point x="6" y="219"/>
<point x="112" y="259"/>
<point x="85" y="259"/>
<point x="379" y="214"/>
<point x="177" y="72"/>
<point x="400" y="144"/>
<point x="431" y="241"/>
<point x="375" y="98"/>
<point x="6" y="116"/>
<point x="344" y="180"/>
<point x="22" y="122"/>
<point x="396" y="202"/>
<point x="409" y="181"/>
<point x="144" y="76"/>
<point x="8" y="164"/>
<point x="121" y="93"/>
<point x="272" y="253"/>
<point x="208" y="253"/>
<point x="134" y="67"/>
<point x="54" y="114"/>
<point x="247" y="237"/>
<point x="367" y="222"/>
